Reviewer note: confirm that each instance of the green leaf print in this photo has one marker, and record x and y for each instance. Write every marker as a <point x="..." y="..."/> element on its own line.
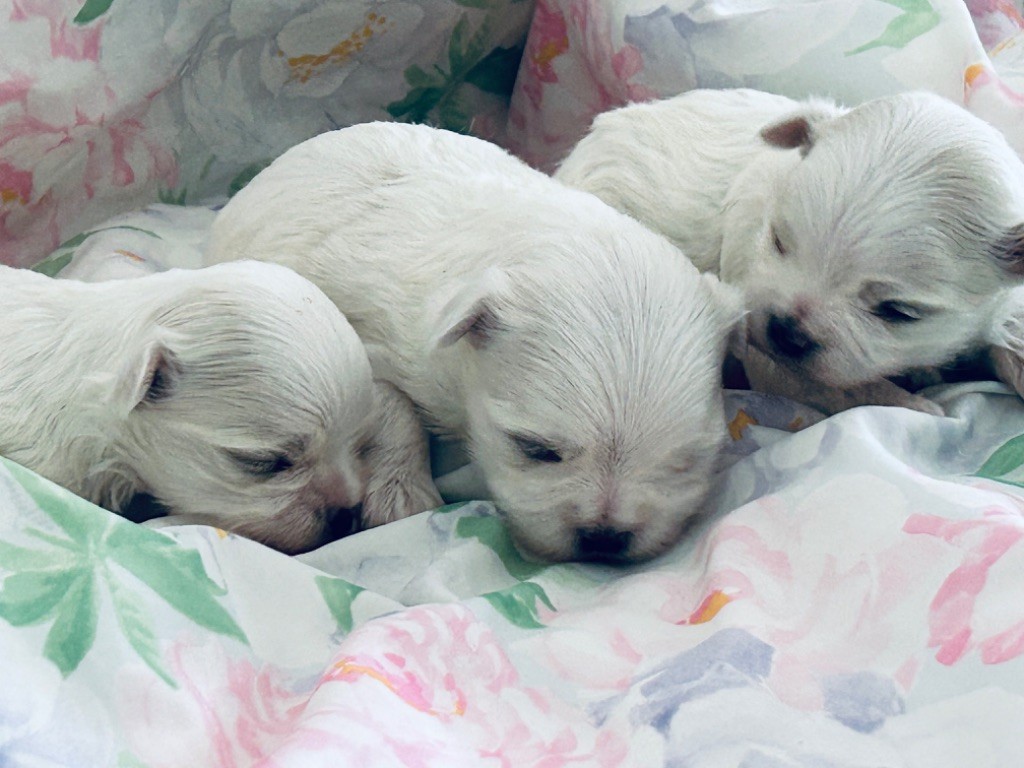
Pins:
<point x="74" y="629"/>
<point x="60" y="581"/>
<point x="918" y="17"/>
<point x="1007" y="458"/>
<point x="491" y="532"/>
<point x="61" y="257"/>
<point x="518" y="604"/>
<point x="438" y="92"/>
<point x="53" y="264"/>
<point x="496" y="72"/>
<point x="339" y="596"/>
<point x="31" y="596"/>
<point x="92" y="10"/>
<point x="135" y="624"/>
<point x="244" y="176"/>
<point x="177" y="575"/>
<point x="22" y="559"/>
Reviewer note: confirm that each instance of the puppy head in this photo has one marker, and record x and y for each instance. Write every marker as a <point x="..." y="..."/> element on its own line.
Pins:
<point x="873" y="246"/>
<point x="248" y="405"/>
<point x="594" y="398"/>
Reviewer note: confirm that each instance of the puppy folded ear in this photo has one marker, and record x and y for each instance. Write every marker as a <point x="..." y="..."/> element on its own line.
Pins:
<point x="470" y="313"/>
<point x="800" y="130"/>
<point x="1008" y="250"/>
<point x="152" y="377"/>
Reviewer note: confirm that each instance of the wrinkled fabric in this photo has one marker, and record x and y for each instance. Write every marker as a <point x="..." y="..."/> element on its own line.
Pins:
<point x="584" y="57"/>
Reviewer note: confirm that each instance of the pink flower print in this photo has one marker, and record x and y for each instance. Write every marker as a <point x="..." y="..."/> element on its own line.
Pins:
<point x="226" y="712"/>
<point x="57" y="178"/>
<point x="610" y="71"/>
<point x="444" y="676"/>
<point x="957" y="624"/>
<point x="547" y="41"/>
<point x="67" y="40"/>
<point x="570" y="50"/>
<point x="995" y="20"/>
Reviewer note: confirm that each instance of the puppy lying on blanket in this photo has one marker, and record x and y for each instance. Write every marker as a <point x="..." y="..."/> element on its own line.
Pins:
<point x="870" y="242"/>
<point x="559" y="337"/>
<point x="236" y="396"/>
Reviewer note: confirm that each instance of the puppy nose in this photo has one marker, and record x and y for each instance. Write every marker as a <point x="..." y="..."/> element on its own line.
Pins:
<point x="788" y="338"/>
<point x="602" y="544"/>
<point x="341" y="521"/>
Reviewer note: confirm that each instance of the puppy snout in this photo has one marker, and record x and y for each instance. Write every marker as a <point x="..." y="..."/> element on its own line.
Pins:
<point x="788" y="338"/>
<point x="341" y="521"/>
<point x="602" y="544"/>
<point x="343" y="488"/>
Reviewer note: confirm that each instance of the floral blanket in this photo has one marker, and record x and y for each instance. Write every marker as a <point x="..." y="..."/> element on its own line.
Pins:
<point x="854" y="596"/>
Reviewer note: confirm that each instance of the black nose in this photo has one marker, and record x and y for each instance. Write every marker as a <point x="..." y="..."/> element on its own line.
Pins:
<point x="789" y="339"/>
<point x="602" y="544"/>
<point x="341" y="521"/>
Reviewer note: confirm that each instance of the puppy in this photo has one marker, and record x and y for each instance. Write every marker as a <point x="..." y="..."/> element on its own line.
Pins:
<point x="560" y="338"/>
<point x="237" y="396"/>
<point x="869" y="241"/>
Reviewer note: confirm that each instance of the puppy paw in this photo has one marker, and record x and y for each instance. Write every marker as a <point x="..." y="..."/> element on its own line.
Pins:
<point x="400" y="484"/>
<point x="393" y="496"/>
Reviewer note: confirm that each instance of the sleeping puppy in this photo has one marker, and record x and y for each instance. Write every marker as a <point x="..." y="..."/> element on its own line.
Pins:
<point x="560" y="338"/>
<point x="870" y="242"/>
<point x="236" y="396"/>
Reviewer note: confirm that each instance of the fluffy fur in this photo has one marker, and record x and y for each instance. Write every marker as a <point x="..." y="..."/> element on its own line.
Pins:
<point x="577" y="351"/>
<point x="236" y="396"/>
<point x="869" y="241"/>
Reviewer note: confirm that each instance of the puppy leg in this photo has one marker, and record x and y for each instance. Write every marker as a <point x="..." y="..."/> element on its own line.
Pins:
<point x="399" y="461"/>
<point x="765" y="375"/>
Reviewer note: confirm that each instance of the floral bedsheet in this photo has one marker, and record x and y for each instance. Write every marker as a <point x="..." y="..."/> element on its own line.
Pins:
<point x="107" y="106"/>
<point x="854" y="597"/>
<point x="586" y="56"/>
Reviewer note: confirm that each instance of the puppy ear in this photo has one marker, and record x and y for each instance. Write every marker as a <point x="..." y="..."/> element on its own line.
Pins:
<point x="1009" y="250"/>
<point x="470" y="313"/>
<point x="800" y="130"/>
<point x="153" y="377"/>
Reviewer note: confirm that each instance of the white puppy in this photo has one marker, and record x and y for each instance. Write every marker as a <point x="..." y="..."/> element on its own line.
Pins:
<point x="237" y="396"/>
<point x="561" y="338"/>
<point x="869" y="241"/>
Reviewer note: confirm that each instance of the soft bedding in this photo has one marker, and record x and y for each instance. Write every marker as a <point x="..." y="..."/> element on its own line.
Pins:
<point x="854" y="597"/>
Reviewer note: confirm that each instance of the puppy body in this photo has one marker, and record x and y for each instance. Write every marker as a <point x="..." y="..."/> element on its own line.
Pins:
<point x="869" y="241"/>
<point x="236" y="396"/>
<point x="559" y="337"/>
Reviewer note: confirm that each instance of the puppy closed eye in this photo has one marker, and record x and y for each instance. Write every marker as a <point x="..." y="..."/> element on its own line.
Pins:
<point x="262" y="465"/>
<point x="897" y="312"/>
<point x="535" y="450"/>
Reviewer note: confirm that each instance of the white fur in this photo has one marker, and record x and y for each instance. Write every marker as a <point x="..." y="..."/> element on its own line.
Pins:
<point x="905" y="199"/>
<point x="503" y="303"/>
<point x="251" y="362"/>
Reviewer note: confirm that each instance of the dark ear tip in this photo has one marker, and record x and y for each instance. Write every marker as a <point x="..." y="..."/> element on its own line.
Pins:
<point x="478" y="327"/>
<point x="161" y="371"/>
<point x="789" y="134"/>
<point x="1009" y="250"/>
